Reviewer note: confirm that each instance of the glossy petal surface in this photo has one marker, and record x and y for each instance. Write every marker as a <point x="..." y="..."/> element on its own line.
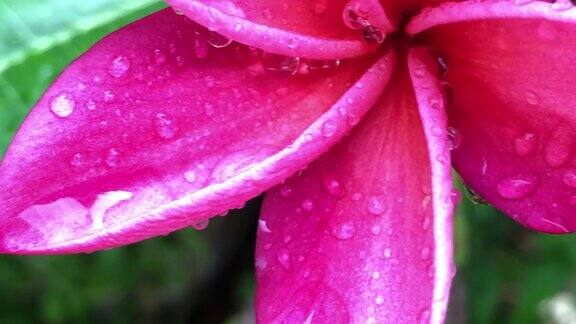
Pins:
<point x="512" y="71"/>
<point x="153" y="130"/>
<point x="299" y="28"/>
<point x="364" y="234"/>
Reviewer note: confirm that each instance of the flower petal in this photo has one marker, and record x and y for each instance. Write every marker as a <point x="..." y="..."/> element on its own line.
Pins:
<point x="139" y="137"/>
<point x="297" y="28"/>
<point x="364" y="234"/>
<point x="512" y="70"/>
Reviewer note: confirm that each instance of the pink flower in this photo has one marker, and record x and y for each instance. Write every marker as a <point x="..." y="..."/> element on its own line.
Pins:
<point x="164" y="124"/>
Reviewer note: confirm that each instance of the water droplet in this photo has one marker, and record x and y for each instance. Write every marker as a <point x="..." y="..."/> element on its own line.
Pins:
<point x="109" y="96"/>
<point x="218" y="40"/>
<point x="559" y="147"/>
<point x="334" y="187"/>
<point x="285" y="191"/>
<point x="455" y="138"/>
<point x="91" y="105"/>
<point x="356" y="196"/>
<point x="525" y="144"/>
<point x="62" y="105"/>
<point x="532" y="98"/>
<point x="329" y="129"/>
<point x="261" y="264"/>
<point x="307" y="205"/>
<point x="569" y="178"/>
<point x="112" y="157"/>
<point x="119" y="66"/>
<point x="284" y="260"/>
<point x="376" y="230"/>
<point x="376" y="275"/>
<point x="263" y="226"/>
<point x="442" y="65"/>
<point x="517" y="187"/>
<point x="387" y="253"/>
<point x="190" y="176"/>
<point x="379" y="300"/>
<point x="165" y="128"/>
<point x="280" y="64"/>
<point x="201" y="224"/>
<point x="344" y="231"/>
<point x="375" y="206"/>
<point x="322" y="65"/>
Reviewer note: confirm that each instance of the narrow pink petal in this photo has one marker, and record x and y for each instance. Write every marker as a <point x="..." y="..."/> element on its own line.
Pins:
<point x="364" y="234"/>
<point x="298" y="28"/>
<point x="142" y="136"/>
<point x="512" y="70"/>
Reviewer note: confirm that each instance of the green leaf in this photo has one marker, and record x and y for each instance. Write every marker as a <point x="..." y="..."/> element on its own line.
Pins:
<point x="39" y="38"/>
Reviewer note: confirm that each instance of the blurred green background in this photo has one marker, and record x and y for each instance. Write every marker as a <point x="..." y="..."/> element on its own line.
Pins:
<point x="506" y="274"/>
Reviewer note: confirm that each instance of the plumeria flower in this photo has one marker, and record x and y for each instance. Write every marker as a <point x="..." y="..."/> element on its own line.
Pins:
<point x="348" y="114"/>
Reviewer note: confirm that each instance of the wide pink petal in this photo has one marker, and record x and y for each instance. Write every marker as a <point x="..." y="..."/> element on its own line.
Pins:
<point x="364" y="235"/>
<point x="298" y="28"/>
<point x="143" y="135"/>
<point x="511" y="68"/>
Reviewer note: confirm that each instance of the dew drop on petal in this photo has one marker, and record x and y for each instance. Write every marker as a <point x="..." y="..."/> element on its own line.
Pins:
<point x="62" y="105"/>
<point x="119" y="66"/>
<point x="112" y="157"/>
<point x="387" y="253"/>
<point x="517" y="187"/>
<point x="280" y="64"/>
<point x="307" y="205"/>
<point x="375" y="206"/>
<point x="344" y="231"/>
<point x="525" y="144"/>
<point x="558" y="149"/>
<point x="285" y="191"/>
<point x="454" y="137"/>
<point x="329" y="129"/>
<point x="165" y="128"/>
<point x="284" y="260"/>
<point x="201" y="224"/>
<point x="190" y="176"/>
<point x="334" y="187"/>
<point x="532" y="98"/>
<point x="218" y="40"/>
<point x="263" y="226"/>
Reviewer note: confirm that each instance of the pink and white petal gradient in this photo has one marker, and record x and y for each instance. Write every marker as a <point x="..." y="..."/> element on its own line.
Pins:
<point x="298" y="28"/>
<point x="139" y="137"/>
<point x="365" y="234"/>
<point x="513" y="74"/>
